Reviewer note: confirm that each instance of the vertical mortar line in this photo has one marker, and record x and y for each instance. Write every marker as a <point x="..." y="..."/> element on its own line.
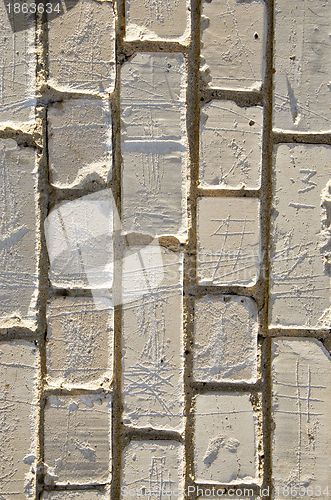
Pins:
<point x="265" y="218"/>
<point x="117" y="405"/>
<point x="190" y="255"/>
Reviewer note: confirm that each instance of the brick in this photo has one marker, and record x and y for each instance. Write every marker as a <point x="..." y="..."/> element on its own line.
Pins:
<point x="18" y="419"/>
<point x="18" y="259"/>
<point x="225" y="442"/>
<point x="225" y="446"/>
<point x="149" y="20"/>
<point x="74" y="495"/>
<point x="230" y="145"/>
<point x="153" y="469"/>
<point x="225" y="339"/>
<point x="81" y="48"/>
<point x="233" y="42"/>
<point x="152" y="343"/>
<point x="300" y="285"/>
<point x="17" y="69"/>
<point x="302" y="50"/>
<point x="77" y="439"/>
<point x="79" y="347"/>
<point x="301" y="411"/>
<point x="79" y="142"/>
<point x="228" y="241"/>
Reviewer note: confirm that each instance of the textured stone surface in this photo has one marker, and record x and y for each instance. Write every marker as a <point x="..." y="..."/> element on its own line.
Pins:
<point x="18" y="419"/>
<point x="233" y="43"/>
<point x="153" y="469"/>
<point x="225" y="339"/>
<point x="230" y="145"/>
<point x="152" y="344"/>
<point x="302" y="414"/>
<point x="77" y="439"/>
<point x="300" y="255"/>
<point x="157" y="20"/>
<point x="79" y="142"/>
<point x="228" y="241"/>
<point x="81" y="48"/>
<point x="17" y="70"/>
<point x="18" y="250"/>
<point x="79" y="343"/>
<point x="302" y="60"/>
<point x="225" y="445"/>
<point x="75" y="495"/>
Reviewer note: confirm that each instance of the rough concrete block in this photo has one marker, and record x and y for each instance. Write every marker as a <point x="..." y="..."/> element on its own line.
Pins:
<point x="17" y="70"/>
<point x="77" y="439"/>
<point x="228" y="241"/>
<point x="150" y="20"/>
<point x="79" y="343"/>
<point x="302" y="414"/>
<point x="302" y="60"/>
<point x="81" y="48"/>
<point x="300" y="255"/>
<point x="153" y="361"/>
<point x="79" y="142"/>
<point x="18" y="419"/>
<point x="225" y="339"/>
<point x="18" y="247"/>
<point x="225" y="443"/>
<point x="75" y="495"/>
<point x="230" y="145"/>
<point x="233" y="42"/>
<point x="153" y="469"/>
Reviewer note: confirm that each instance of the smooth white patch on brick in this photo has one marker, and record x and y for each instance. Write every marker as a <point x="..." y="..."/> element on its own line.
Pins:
<point x="18" y="249"/>
<point x="77" y="439"/>
<point x="154" y="144"/>
<point x="302" y="415"/>
<point x="230" y="145"/>
<point x="302" y="60"/>
<point x="153" y="344"/>
<point x="153" y="469"/>
<point x="157" y="20"/>
<point x="18" y="419"/>
<point x="225" y="443"/>
<point x="233" y="42"/>
<point x="300" y="255"/>
<point x="81" y="48"/>
<point x="17" y="69"/>
<point x="225" y="339"/>
<point x="75" y="495"/>
<point x="79" y="142"/>
<point x="228" y="241"/>
<point x="79" y="344"/>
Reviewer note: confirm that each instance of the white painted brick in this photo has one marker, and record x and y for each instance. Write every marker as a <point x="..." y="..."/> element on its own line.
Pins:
<point x="300" y="256"/>
<point x="225" y="443"/>
<point x="79" y="345"/>
<point x="233" y="43"/>
<point x="81" y="48"/>
<point x="153" y="469"/>
<point x="18" y="419"/>
<point x="17" y="69"/>
<point x="153" y="345"/>
<point x="150" y="20"/>
<point x="79" y="142"/>
<point x="225" y="339"/>
<point x="75" y="495"/>
<point x="77" y="439"/>
<point x="302" y="60"/>
<point x="154" y="144"/>
<point x="228" y="241"/>
<point x="18" y="258"/>
<point x="230" y="145"/>
<point x="302" y="414"/>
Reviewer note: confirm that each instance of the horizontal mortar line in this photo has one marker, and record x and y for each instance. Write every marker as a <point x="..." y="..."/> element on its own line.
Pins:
<point x="73" y="194"/>
<point x="205" y="387"/>
<point x="301" y="137"/>
<point x="298" y="332"/>
<point x="19" y="333"/>
<point x="238" y="486"/>
<point x="133" y="46"/>
<point x="228" y="193"/>
<point x="200" y="290"/>
<point x="49" y="95"/>
<point x="75" y="391"/>
<point x="22" y="137"/>
<point x="74" y="487"/>
<point x="149" y="433"/>
<point x="59" y="291"/>
<point x="241" y="97"/>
